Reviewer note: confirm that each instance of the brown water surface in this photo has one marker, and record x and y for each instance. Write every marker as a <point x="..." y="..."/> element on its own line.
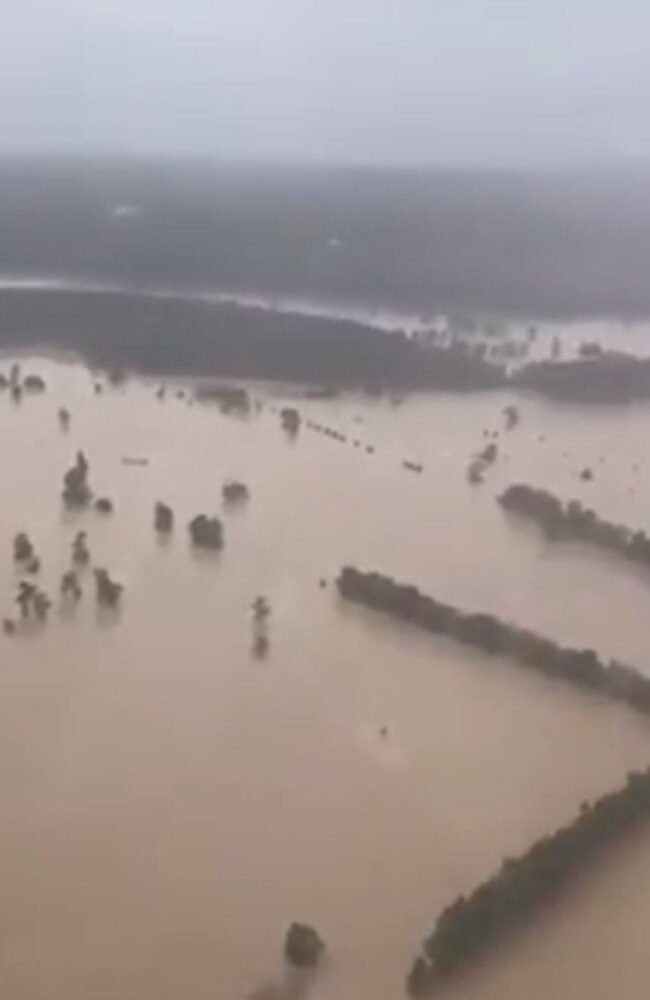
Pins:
<point x="170" y="803"/>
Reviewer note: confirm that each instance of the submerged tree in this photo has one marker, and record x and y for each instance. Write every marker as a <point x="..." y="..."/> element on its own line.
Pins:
<point x="23" y="548"/>
<point x="163" y="518"/>
<point x="108" y="592"/>
<point x="34" y="383"/>
<point x="512" y="417"/>
<point x="64" y="418"/>
<point x="234" y="492"/>
<point x="261" y="612"/>
<point x="206" y="532"/>
<point x="76" y="491"/>
<point x="103" y="505"/>
<point x="25" y="597"/>
<point x="303" y="946"/>
<point x="261" y="609"/>
<point x="42" y="605"/>
<point x="70" y="586"/>
<point x="80" y="550"/>
<point x="290" y="418"/>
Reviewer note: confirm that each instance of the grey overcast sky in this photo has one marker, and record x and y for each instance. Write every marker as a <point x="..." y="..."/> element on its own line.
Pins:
<point x="447" y="82"/>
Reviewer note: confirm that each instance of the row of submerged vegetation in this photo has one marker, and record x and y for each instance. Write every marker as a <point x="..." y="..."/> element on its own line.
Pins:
<point x="499" y="907"/>
<point x="572" y="521"/>
<point x="581" y="667"/>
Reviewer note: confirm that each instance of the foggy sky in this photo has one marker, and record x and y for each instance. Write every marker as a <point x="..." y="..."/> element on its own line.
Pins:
<point x="442" y="82"/>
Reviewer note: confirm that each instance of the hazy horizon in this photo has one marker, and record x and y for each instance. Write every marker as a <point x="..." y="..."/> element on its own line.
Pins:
<point x="477" y="84"/>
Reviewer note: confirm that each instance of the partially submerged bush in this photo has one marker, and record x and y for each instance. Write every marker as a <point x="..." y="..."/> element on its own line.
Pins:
<point x="235" y="492"/>
<point x="206" y="532"/>
<point x="303" y="946"/>
<point x="163" y="518"/>
<point x="109" y="593"/>
<point x="76" y="491"/>
<point x="103" y="505"/>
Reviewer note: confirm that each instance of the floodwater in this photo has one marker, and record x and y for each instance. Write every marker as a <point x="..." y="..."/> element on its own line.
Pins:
<point x="171" y="803"/>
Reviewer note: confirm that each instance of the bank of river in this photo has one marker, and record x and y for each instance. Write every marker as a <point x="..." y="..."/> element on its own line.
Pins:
<point x="171" y="803"/>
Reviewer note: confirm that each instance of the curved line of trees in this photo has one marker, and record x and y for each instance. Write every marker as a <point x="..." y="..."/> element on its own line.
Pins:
<point x="573" y="522"/>
<point x="580" y="667"/>
<point x="498" y="907"/>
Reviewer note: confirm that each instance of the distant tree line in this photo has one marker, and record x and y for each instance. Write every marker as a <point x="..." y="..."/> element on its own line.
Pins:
<point x="574" y="522"/>
<point x="182" y="336"/>
<point x="609" y="377"/>
<point x="498" y="907"/>
<point x="119" y="331"/>
<point x="580" y="667"/>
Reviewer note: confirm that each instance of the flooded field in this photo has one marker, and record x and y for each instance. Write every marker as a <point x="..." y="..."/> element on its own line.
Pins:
<point x="171" y="803"/>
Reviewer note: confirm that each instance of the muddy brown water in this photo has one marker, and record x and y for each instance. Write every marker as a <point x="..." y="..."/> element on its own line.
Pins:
<point x="170" y="803"/>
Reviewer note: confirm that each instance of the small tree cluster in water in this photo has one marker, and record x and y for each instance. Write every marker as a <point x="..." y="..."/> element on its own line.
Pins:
<point x="497" y="908"/>
<point x="574" y="522"/>
<point x="32" y="602"/>
<point x="581" y="667"/>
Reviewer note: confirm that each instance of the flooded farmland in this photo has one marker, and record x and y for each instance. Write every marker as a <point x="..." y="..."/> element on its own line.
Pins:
<point x="172" y="801"/>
